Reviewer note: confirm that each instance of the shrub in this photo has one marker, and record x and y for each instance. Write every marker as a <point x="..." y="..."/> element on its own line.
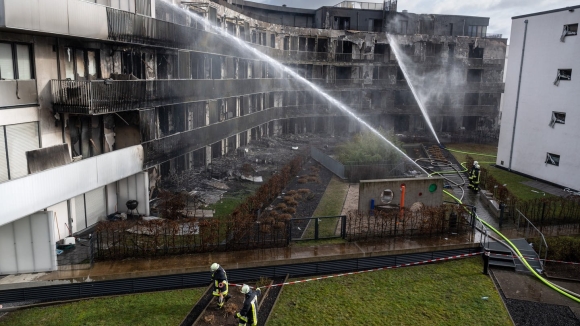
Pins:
<point x="292" y="202"/>
<point x="284" y="217"/>
<point x="290" y="210"/>
<point x="291" y="193"/>
<point x="303" y="191"/>
<point x="279" y="225"/>
<point x="281" y="206"/>
<point x="297" y="197"/>
<point x="265" y="228"/>
<point x="302" y="180"/>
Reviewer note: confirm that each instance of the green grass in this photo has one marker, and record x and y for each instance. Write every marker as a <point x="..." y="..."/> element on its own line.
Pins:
<point x="447" y="293"/>
<point x="158" y="308"/>
<point x="330" y="205"/>
<point x="230" y="201"/>
<point x="512" y="181"/>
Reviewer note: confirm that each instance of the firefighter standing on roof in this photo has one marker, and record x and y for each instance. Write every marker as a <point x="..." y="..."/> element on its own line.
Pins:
<point x="220" y="284"/>
<point x="249" y="313"/>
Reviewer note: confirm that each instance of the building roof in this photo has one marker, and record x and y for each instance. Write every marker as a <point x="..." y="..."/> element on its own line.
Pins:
<point x="546" y="12"/>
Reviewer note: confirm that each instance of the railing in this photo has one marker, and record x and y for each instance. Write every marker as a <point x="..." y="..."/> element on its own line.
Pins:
<point x="328" y="162"/>
<point x="354" y="57"/>
<point x="317" y="228"/>
<point x="527" y="229"/>
<point x="360" y="5"/>
<point x="305" y="55"/>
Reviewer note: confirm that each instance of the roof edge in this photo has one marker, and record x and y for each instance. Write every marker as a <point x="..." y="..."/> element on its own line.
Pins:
<point x="546" y="12"/>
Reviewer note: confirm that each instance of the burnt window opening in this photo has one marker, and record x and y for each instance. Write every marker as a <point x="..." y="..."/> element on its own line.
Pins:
<point x="448" y="124"/>
<point x="401" y="123"/>
<point x="302" y="44"/>
<point x="263" y="39"/>
<point x="475" y="52"/>
<point x="286" y="43"/>
<point x="433" y="49"/>
<point x="382" y="52"/>
<point x="450" y="52"/>
<point x="243" y="33"/>
<point x="294" y="43"/>
<point x="563" y="74"/>
<point x="341" y="23"/>
<point x="375" y="25"/>
<point x="569" y="30"/>
<point x="272" y="40"/>
<point x="216" y="149"/>
<point x="231" y="28"/>
<point x="400" y="74"/>
<point x="216" y="67"/>
<point x="557" y="117"/>
<point x="474" y="75"/>
<point x="489" y="99"/>
<point x="469" y="123"/>
<point x="552" y="159"/>
<point x="322" y="45"/>
<point x="253" y="37"/>
<point x="166" y="67"/>
<point x="404" y="98"/>
<point x="311" y="44"/>
<point x="451" y="29"/>
<point x="472" y="99"/>
<point x="343" y="72"/>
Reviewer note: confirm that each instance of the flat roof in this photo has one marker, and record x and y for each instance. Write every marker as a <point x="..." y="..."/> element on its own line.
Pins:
<point x="546" y="12"/>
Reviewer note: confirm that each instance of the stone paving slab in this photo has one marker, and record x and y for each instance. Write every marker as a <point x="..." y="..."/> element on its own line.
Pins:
<point x="543" y="187"/>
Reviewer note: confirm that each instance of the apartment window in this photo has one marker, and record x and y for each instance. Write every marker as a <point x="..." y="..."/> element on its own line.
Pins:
<point x="341" y="23"/>
<point x="273" y="40"/>
<point x="474" y="75"/>
<point x="569" y="30"/>
<point x="143" y="7"/>
<point x="563" y="74"/>
<point x="15" y="61"/>
<point x="553" y="159"/>
<point x="286" y="43"/>
<point x="472" y="99"/>
<point x="80" y="64"/>
<point x="476" y="30"/>
<point x="475" y="53"/>
<point x="557" y="117"/>
<point x="15" y="141"/>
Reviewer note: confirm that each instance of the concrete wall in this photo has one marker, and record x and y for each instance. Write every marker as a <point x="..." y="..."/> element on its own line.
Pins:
<point x="534" y="138"/>
<point x="416" y="190"/>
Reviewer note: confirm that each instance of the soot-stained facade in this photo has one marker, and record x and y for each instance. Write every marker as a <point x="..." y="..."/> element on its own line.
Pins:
<point x="107" y="75"/>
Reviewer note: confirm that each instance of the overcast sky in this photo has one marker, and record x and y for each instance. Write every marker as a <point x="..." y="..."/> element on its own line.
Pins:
<point x="499" y="11"/>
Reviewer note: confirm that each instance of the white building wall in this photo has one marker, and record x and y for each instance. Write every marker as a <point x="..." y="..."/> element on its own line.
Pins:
<point x="544" y="55"/>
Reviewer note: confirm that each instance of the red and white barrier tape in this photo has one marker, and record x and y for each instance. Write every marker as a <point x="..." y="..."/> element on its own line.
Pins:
<point x="535" y="258"/>
<point x="368" y="270"/>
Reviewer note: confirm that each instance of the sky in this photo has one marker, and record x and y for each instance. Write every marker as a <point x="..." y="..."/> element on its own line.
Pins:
<point x="499" y="11"/>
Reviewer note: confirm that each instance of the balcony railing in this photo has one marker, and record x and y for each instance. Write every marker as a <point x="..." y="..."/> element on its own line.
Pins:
<point x="354" y="57"/>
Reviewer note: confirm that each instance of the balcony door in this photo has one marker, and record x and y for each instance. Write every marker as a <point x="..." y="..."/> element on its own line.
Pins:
<point x="81" y="64"/>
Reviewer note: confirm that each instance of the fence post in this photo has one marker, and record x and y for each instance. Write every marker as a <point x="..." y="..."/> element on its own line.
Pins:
<point x="289" y="232"/>
<point x="316" y="220"/>
<point x="542" y="217"/>
<point x="343" y="226"/>
<point x="91" y="250"/>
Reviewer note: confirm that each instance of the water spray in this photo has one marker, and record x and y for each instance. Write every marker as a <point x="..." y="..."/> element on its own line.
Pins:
<point x="399" y="56"/>
<point x="283" y="68"/>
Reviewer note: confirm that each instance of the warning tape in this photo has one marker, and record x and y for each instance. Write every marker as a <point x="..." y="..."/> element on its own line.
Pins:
<point x="366" y="271"/>
<point x="535" y="258"/>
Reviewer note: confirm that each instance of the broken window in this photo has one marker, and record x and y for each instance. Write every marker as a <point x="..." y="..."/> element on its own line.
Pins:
<point x="343" y="72"/>
<point x="322" y="45"/>
<point x="400" y="74"/>
<point x="286" y="43"/>
<point x="311" y="44"/>
<point x="273" y="40"/>
<point x="341" y="23"/>
<point x="563" y="74"/>
<point x="451" y="29"/>
<point x="552" y="159"/>
<point x="302" y="44"/>
<point x="474" y="75"/>
<point x="569" y="30"/>
<point x="401" y="123"/>
<point x="472" y="99"/>
<point x="433" y="49"/>
<point x="489" y="99"/>
<point x="253" y="37"/>
<point x="557" y="117"/>
<point x="475" y="52"/>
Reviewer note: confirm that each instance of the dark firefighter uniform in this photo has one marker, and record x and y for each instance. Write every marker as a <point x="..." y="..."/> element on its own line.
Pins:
<point x="249" y="313"/>
<point x="220" y="285"/>
<point x="474" y="178"/>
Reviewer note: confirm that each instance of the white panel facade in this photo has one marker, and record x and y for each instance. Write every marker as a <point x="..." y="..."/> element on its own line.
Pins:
<point x="534" y="137"/>
<point x="28" y="245"/>
<point x="27" y="195"/>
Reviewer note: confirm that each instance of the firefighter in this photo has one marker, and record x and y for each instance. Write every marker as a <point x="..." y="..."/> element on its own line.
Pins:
<point x="474" y="177"/>
<point x="220" y="284"/>
<point x="249" y="313"/>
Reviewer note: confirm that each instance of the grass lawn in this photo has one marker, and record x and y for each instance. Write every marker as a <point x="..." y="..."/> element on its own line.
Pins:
<point x="448" y="293"/>
<point x="330" y="205"/>
<point x="158" y="308"/>
<point x="511" y="180"/>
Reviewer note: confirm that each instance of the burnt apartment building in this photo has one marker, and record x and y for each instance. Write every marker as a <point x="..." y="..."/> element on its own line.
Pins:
<point x="101" y="99"/>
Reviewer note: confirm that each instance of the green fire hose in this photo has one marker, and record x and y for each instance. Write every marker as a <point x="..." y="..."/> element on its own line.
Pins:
<point x="520" y="256"/>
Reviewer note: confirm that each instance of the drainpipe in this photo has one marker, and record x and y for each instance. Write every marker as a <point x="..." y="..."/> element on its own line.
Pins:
<point x="518" y="95"/>
<point x="402" y="203"/>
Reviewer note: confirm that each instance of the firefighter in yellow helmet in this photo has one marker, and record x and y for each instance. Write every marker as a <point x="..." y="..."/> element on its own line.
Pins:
<point x="220" y="284"/>
<point x="249" y="313"/>
<point x="474" y="177"/>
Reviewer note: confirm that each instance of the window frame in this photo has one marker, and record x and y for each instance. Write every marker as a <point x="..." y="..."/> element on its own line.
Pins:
<point x="552" y="159"/>
<point x="14" y="54"/>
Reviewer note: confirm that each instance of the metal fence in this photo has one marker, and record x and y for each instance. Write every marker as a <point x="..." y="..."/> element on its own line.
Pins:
<point x="317" y="228"/>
